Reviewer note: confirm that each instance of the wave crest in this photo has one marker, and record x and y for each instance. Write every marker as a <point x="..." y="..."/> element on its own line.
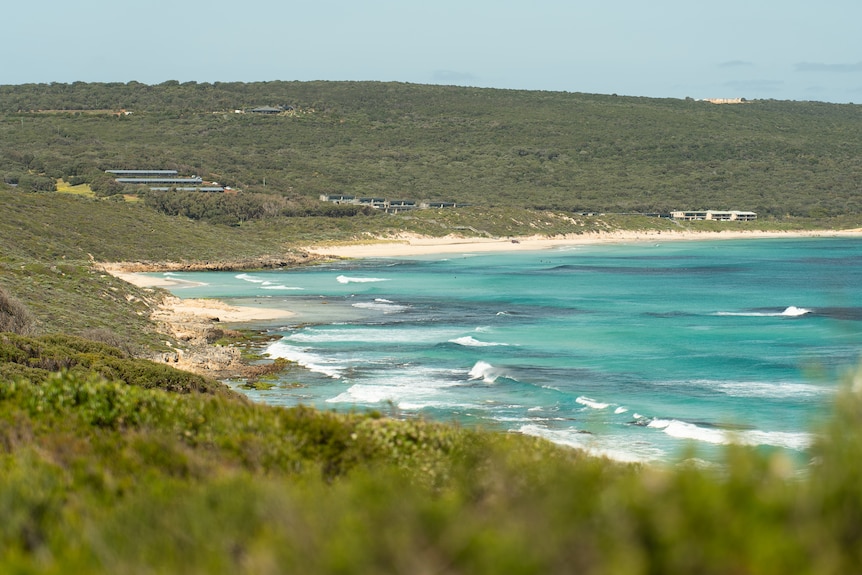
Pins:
<point x="684" y="430"/>
<point x="789" y="311"/>
<point x="349" y="280"/>
<point x="485" y="371"/>
<point x="470" y="341"/>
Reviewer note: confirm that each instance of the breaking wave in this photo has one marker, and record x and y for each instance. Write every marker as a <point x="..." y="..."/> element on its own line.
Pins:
<point x="383" y="305"/>
<point x="486" y="372"/>
<point x="586" y="401"/>
<point x="349" y="280"/>
<point x="470" y="341"/>
<point x="317" y="363"/>
<point x="684" y="430"/>
<point x="791" y="311"/>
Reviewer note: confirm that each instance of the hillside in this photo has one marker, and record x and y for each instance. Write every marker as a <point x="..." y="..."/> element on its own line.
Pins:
<point x="492" y="148"/>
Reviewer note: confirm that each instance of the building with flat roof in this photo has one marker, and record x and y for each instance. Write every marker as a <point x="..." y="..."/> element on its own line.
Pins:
<point x="714" y="215"/>
<point x="156" y="181"/>
<point x="143" y="173"/>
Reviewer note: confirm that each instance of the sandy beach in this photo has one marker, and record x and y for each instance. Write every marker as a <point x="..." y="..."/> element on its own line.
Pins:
<point x="216" y="310"/>
<point x="414" y="245"/>
<point x="206" y="309"/>
<point x="193" y="320"/>
<point x="408" y="245"/>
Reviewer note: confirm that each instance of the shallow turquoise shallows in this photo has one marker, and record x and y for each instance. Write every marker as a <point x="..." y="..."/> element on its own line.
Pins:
<point x="635" y="351"/>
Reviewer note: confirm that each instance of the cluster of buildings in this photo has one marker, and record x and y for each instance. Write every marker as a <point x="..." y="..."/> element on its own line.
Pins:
<point x="715" y="215"/>
<point x="164" y="180"/>
<point x="394" y="206"/>
<point x="391" y="206"/>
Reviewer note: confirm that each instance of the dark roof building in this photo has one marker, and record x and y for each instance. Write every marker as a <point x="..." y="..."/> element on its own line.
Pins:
<point x="143" y="173"/>
<point x="268" y="110"/>
<point x="171" y="181"/>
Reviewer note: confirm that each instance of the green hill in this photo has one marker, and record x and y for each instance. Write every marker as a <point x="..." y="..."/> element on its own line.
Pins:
<point x="497" y="148"/>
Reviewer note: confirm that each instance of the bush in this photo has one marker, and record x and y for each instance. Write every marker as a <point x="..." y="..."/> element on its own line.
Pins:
<point x="14" y="315"/>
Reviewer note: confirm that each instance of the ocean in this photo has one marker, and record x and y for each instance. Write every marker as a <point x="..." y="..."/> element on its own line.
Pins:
<point x="651" y="351"/>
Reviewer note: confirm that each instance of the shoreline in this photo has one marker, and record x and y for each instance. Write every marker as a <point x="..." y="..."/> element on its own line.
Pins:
<point x="176" y="310"/>
<point x="415" y="245"/>
<point x="212" y="310"/>
<point x="194" y="321"/>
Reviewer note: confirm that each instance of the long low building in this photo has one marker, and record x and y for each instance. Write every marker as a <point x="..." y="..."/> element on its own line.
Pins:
<point x="143" y="173"/>
<point x="171" y="181"/>
<point x="714" y="215"/>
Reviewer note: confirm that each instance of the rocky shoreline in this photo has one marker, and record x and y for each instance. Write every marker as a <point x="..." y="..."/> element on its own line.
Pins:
<point x="195" y="325"/>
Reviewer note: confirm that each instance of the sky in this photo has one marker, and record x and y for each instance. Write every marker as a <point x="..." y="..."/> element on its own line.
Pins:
<point x="754" y="49"/>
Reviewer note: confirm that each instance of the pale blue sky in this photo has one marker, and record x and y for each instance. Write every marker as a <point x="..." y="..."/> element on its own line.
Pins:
<point x="782" y="49"/>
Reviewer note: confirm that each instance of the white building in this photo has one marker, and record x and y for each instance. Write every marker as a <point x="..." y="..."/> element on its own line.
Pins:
<point x="715" y="215"/>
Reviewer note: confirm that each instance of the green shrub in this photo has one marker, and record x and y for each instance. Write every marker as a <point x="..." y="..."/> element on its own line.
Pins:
<point x="104" y="477"/>
<point x="14" y="315"/>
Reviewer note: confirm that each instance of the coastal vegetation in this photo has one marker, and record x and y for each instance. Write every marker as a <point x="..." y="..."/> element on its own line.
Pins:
<point x="102" y="476"/>
<point x="492" y="148"/>
<point x="112" y="463"/>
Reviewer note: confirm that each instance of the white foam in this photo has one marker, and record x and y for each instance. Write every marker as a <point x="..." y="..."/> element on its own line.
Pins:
<point x="766" y="390"/>
<point x="409" y="387"/>
<point x="791" y="311"/>
<point x="485" y="371"/>
<point x="470" y="341"/>
<point x="616" y="448"/>
<point x="313" y="362"/>
<point x="249" y="278"/>
<point x="280" y="287"/>
<point x="592" y="403"/>
<point x="684" y="430"/>
<point x="620" y="410"/>
<point x="378" y="305"/>
<point x="347" y="280"/>
<point x="789" y="440"/>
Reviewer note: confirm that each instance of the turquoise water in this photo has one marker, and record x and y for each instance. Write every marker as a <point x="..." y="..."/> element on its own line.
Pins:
<point x="635" y="351"/>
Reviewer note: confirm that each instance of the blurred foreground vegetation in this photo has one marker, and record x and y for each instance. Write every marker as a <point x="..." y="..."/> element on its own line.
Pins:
<point x="119" y="476"/>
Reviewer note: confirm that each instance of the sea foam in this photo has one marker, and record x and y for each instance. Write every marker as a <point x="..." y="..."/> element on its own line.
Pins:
<point x="485" y="371"/>
<point x="325" y="365"/>
<point x="349" y="280"/>
<point x="469" y="341"/>
<point x="684" y="430"/>
<point x="592" y="403"/>
<point x="383" y="305"/>
<point x="618" y="449"/>
<point x="249" y="278"/>
<point x="790" y="311"/>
